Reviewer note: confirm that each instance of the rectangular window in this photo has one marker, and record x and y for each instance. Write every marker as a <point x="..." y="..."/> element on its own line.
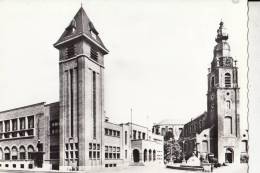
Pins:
<point x="125" y="137"/>
<point x="1" y="126"/>
<point x="134" y="134"/>
<point x="71" y="103"/>
<point x="54" y="127"/>
<point x="31" y="122"/>
<point x="7" y="126"/>
<point x="70" y="51"/>
<point x="14" y="123"/>
<point x="93" y="54"/>
<point x="22" y="123"/>
<point x="90" y="154"/>
<point x="106" y="131"/>
<point x="143" y="135"/>
<point x="125" y="154"/>
<point x="94" y="103"/>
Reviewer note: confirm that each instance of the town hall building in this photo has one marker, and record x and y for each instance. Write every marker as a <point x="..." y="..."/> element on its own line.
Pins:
<point x="74" y="134"/>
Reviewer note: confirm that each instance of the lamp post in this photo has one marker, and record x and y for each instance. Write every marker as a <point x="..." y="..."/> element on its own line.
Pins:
<point x="183" y="159"/>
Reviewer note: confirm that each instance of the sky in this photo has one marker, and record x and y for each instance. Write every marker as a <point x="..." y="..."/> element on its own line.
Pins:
<point x="160" y="52"/>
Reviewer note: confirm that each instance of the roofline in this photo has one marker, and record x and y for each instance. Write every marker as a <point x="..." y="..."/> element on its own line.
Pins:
<point x="128" y="123"/>
<point x="22" y="107"/>
<point x="58" y="44"/>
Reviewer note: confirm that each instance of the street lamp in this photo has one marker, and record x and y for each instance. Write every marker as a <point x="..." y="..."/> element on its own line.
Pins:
<point x="183" y="159"/>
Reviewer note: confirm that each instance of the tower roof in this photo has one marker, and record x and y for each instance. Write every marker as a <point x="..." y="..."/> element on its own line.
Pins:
<point x="222" y="34"/>
<point x="81" y="25"/>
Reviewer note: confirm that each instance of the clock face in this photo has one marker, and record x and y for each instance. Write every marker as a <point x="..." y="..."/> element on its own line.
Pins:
<point x="212" y="97"/>
<point x="228" y="62"/>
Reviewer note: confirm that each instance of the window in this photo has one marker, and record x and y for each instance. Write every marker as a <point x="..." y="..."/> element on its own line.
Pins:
<point x="227" y="80"/>
<point x="112" y="152"/>
<point x="14" y="123"/>
<point x="139" y="135"/>
<point x="94" y="103"/>
<point x="22" y="153"/>
<point x="228" y="125"/>
<point x="71" y="51"/>
<point x="22" y="123"/>
<point x="7" y="153"/>
<point x="228" y="104"/>
<point x="134" y="135"/>
<point x="93" y="54"/>
<point x="110" y="132"/>
<point x="106" y="131"/>
<point x="94" y="151"/>
<point x="212" y="81"/>
<point x="125" y="137"/>
<point x="30" y="152"/>
<point x="54" y="127"/>
<point x="1" y="126"/>
<point x="7" y="125"/>
<point x="14" y="153"/>
<point x="31" y="122"/>
<point x="125" y="154"/>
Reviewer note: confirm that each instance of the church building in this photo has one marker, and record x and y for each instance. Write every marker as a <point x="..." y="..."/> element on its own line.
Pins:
<point x="217" y="131"/>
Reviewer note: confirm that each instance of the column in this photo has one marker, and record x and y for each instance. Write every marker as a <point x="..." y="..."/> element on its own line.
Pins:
<point x="26" y="125"/>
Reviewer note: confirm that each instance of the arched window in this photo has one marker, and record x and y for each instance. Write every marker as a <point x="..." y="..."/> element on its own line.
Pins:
<point x="227" y="80"/>
<point x="212" y="81"/>
<point x="228" y="103"/>
<point x="228" y="125"/>
<point x="1" y="154"/>
<point x="14" y="153"/>
<point x="154" y="155"/>
<point x="7" y="153"/>
<point x="150" y="155"/>
<point x="30" y="152"/>
<point x="22" y="153"/>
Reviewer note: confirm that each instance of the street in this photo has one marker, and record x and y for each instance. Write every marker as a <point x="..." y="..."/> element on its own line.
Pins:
<point x="241" y="168"/>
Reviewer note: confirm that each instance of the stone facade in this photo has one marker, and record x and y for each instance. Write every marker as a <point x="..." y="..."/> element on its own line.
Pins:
<point x="73" y="134"/>
<point x="173" y="126"/>
<point x="217" y="131"/>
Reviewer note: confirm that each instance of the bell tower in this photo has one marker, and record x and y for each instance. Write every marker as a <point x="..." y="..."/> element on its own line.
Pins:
<point x="223" y="101"/>
<point x="81" y="69"/>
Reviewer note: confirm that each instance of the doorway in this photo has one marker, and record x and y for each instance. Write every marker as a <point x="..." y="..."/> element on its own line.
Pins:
<point x="136" y="155"/>
<point x="229" y="155"/>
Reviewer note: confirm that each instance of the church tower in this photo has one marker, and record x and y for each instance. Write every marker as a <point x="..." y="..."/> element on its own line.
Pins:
<point x="223" y="101"/>
<point x="81" y="71"/>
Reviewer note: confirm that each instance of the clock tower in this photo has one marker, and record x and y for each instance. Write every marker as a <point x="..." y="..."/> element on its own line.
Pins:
<point x="223" y="101"/>
<point x="81" y="64"/>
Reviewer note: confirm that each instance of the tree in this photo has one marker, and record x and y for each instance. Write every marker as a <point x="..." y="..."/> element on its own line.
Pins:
<point x="168" y="135"/>
<point x="172" y="151"/>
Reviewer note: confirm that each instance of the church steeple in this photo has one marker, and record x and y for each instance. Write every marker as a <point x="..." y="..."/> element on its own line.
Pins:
<point x="222" y="34"/>
<point x="222" y="55"/>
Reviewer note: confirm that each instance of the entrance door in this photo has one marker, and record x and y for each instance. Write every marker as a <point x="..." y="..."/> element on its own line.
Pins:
<point x="229" y="155"/>
<point x="136" y="155"/>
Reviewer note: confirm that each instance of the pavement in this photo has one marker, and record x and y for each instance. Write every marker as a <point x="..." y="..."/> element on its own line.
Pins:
<point x="241" y="168"/>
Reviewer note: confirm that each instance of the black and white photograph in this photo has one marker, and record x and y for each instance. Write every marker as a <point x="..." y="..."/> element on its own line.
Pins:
<point x="125" y="86"/>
